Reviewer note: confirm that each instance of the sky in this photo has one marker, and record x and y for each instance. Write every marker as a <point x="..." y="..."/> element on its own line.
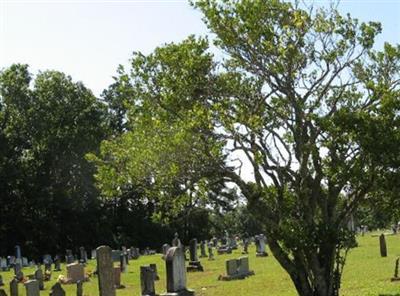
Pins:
<point x="88" y="39"/>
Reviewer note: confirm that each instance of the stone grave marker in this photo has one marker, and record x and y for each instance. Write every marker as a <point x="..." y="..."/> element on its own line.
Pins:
<point x="236" y="269"/>
<point x="75" y="272"/>
<point x="396" y="271"/>
<point x="14" y="287"/>
<point x="57" y="263"/>
<point x="203" y="249"/>
<point x="176" y="273"/>
<point x="79" y="288"/>
<point x="210" y="251"/>
<point x="69" y="257"/>
<point x="154" y="268"/>
<point x="57" y="290"/>
<point x="122" y="263"/>
<point x="260" y="244"/>
<point x="117" y="277"/>
<point x="147" y="281"/>
<point x="32" y="288"/>
<point x="93" y="254"/>
<point x="38" y="275"/>
<point x="105" y="271"/>
<point x="3" y="264"/>
<point x="25" y="262"/>
<point x="194" y="263"/>
<point x="382" y="245"/>
<point x="176" y="242"/>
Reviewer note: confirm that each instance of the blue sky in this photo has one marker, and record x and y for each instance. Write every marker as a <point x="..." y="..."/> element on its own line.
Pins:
<point x="89" y="39"/>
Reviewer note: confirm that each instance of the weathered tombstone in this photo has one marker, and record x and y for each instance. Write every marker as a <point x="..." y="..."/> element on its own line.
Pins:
<point x="176" y="242"/>
<point x="39" y="277"/>
<point x="32" y="288"/>
<point x="93" y="254"/>
<point x="194" y="263"/>
<point x="69" y="257"/>
<point x="176" y="273"/>
<point x="117" y="277"/>
<point x="210" y="251"/>
<point x="396" y="271"/>
<point x="105" y="271"/>
<point x="75" y="272"/>
<point x="79" y="288"/>
<point x="154" y="268"/>
<point x="57" y="290"/>
<point x="245" y="246"/>
<point x="82" y="255"/>
<point x="25" y="262"/>
<point x="14" y="287"/>
<point x="57" y="263"/>
<point x="122" y="263"/>
<point x="125" y="253"/>
<point x="47" y="259"/>
<point x="236" y="269"/>
<point x="382" y="244"/>
<point x="3" y="264"/>
<point x="135" y="253"/>
<point x="165" y="248"/>
<point x="147" y="281"/>
<point x="203" y="249"/>
<point x="260" y="243"/>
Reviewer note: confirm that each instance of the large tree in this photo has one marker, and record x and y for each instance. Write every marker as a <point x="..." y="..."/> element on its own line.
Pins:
<point x="294" y="101"/>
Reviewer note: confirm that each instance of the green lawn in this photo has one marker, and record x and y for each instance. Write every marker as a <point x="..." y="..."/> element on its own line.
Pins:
<point x="366" y="273"/>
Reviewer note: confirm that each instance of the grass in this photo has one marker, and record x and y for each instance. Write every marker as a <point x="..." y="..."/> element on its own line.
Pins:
<point x="366" y="273"/>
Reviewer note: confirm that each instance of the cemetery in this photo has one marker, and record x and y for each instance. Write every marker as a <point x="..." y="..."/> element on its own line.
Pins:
<point x="367" y="273"/>
<point x="199" y="147"/>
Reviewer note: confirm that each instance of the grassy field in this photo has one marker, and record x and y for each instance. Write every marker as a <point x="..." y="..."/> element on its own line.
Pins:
<point x="366" y="273"/>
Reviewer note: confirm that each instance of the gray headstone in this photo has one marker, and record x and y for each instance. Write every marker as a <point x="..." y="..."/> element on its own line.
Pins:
<point x="382" y="245"/>
<point x="231" y="267"/>
<point x="57" y="290"/>
<point x="79" y="288"/>
<point x="147" y="281"/>
<point x="243" y="265"/>
<point x="32" y="288"/>
<point x="14" y="287"/>
<point x="105" y="271"/>
<point x="39" y="278"/>
<point x="176" y="271"/>
<point x="193" y="250"/>
<point x="75" y="272"/>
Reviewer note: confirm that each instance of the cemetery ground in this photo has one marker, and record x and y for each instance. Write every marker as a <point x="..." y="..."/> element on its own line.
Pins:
<point x="365" y="273"/>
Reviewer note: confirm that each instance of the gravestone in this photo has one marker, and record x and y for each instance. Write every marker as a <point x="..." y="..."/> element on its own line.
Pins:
<point x="82" y="255"/>
<point x="125" y="253"/>
<point x="39" y="277"/>
<point x="75" y="272"/>
<point x="69" y="257"/>
<point x="122" y="263"/>
<point x="236" y="269"/>
<point x="135" y="253"/>
<point x="176" y="242"/>
<point x="154" y="268"/>
<point x="3" y="264"/>
<point x="57" y="290"/>
<point x="176" y="273"/>
<point x="260" y="244"/>
<point x="194" y="263"/>
<point x="14" y="287"/>
<point x="165" y="248"/>
<point x="47" y="259"/>
<point x="32" y="288"/>
<point x="396" y="271"/>
<point x="382" y="245"/>
<point x="25" y="262"/>
<point x="210" y="251"/>
<point x="57" y="263"/>
<point x="245" y="246"/>
<point x="147" y="281"/>
<point x="215" y="242"/>
<point x="203" y="249"/>
<point x="105" y="271"/>
<point x="117" y="277"/>
<point x="93" y="254"/>
<point x="79" y="288"/>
